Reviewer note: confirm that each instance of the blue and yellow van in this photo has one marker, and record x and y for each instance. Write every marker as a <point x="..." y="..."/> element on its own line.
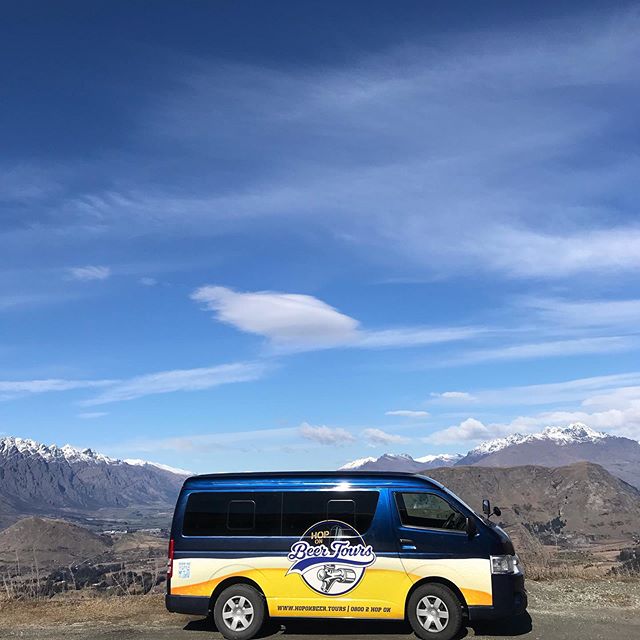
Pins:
<point x="249" y="546"/>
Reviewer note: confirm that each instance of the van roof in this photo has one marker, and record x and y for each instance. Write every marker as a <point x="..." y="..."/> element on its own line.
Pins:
<point x="364" y="477"/>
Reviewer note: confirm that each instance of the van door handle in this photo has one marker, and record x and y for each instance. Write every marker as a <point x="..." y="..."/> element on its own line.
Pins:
<point x="407" y="544"/>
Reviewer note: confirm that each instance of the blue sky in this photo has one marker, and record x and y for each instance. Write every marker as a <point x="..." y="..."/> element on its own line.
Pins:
<point x="242" y="235"/>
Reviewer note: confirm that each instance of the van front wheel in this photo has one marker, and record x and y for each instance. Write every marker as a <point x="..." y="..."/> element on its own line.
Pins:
<point x="434" y="612"/>
<point x="239" y="612"/>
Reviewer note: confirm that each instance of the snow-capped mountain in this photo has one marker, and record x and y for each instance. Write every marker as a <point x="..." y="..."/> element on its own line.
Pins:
<point x="552" y="447"/>
<point x="574" y="433"/>
<point x="45" y="479"/>
<point x="439" y="460"/>
<point x="559" y="446"/>
<point x="10" y="446"/>
<point x="401" y="462"/>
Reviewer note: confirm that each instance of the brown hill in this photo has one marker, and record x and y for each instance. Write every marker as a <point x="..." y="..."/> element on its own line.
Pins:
<point x="47" y="542"/>
<point x="576" y="503"/>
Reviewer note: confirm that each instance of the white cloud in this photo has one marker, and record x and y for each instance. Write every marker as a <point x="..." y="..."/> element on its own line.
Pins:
<point x="616" y="412"/>
<point x="92" y="415"/>
<point x="179" y="380"/>
<point x="454" y="395"/>
<point x="89" y="272"/>
<point x="407" y="413"/>
<point x="468" y="430"/>
<point x="324" y="435"/>
<point x="380" y="437"/>
<point x="285" y="318"/>
<point x="292" y="321"/>
<point x="148" y="282"/>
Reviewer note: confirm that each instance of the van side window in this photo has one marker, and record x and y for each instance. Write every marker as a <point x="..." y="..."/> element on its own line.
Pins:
<point x="218" y="513"/>
<point x="344" y="510"/>
<point x="301" y="509"/>
<point x="428" y="510"/>
<point x="241" y="515"/>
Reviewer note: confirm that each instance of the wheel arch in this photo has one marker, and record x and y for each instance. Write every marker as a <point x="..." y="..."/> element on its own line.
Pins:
<point x="229" y="582"/>
<point x="437" y="580"/>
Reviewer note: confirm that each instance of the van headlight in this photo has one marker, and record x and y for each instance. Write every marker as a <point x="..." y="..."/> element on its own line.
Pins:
<point x="505" y="565"/>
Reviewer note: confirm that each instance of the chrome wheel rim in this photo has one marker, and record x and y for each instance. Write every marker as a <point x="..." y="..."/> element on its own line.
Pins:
<point x="432" y="613"/>
<point x="237" y="613"/>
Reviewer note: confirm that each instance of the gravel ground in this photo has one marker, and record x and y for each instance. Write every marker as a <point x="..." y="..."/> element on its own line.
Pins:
<point x="559" y="610"/>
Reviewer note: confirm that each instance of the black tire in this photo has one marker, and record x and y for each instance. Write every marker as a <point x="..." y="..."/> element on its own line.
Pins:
<point x="231" y="610"/>
<point x="432" y="606"/>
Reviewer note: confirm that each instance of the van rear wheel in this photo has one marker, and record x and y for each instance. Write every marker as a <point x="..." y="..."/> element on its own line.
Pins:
<point x="434" y="612"/>
<point x="239" y="612"/>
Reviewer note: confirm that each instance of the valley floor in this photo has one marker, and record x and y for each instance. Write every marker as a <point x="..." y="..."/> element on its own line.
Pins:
<point x="559" y="610"/>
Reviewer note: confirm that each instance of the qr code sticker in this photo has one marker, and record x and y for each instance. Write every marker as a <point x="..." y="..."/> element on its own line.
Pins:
<point x="184" y="569"/>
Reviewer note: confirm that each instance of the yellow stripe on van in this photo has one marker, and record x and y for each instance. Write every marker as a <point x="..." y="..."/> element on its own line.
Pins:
<point x="381" y="592"/>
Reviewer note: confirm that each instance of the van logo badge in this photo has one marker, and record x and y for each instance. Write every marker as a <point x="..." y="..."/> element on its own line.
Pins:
<point x="331" y="557"/>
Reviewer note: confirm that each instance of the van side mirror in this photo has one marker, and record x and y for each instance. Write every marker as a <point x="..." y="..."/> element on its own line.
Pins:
<point x="471" y="528"/>
<point x="486" y="509"/>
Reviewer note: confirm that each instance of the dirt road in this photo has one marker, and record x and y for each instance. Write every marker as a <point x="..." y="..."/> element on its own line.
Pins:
<point x="540" y="625"/>
<point x="560" y="610"/>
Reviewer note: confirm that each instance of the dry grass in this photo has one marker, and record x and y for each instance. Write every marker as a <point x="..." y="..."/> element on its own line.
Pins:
<point x="147" y="609"/>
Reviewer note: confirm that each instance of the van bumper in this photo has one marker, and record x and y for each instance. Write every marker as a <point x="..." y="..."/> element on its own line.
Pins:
<point x="509" y="599"/>
<point x="193" y="605"/>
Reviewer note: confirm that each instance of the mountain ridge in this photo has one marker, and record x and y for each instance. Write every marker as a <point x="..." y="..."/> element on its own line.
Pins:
<point x="39" y="479"/>
<point x="554" y="446"/>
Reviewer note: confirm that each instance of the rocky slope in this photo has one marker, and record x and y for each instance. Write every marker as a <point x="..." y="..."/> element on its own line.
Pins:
<point x="581" y="502"/>
<point x="42" y="479"/>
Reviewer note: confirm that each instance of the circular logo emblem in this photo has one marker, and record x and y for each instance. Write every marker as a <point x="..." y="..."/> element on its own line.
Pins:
<point x="331" y="557"/>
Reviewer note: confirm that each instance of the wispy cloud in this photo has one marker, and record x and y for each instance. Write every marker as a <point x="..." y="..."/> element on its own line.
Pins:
<point x="179" y="380"/>
<point x="407" y="413"/>
<point x="89" y="272"/>
<point x="607" y="313"/>
<point x="321" y="434"/>
<point x="92" y="415"/>
<point x="552" y="348"/>
<point x="209" y="442"/>
<point x="454" y="395"/>
<point x="416" y="336"/>
<point x="139" y="386"/>
<point x="485" y="171"/>
<point x="292" y="321"/>
<point x="10" y="389"/>
<point x="575" y="390"/>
